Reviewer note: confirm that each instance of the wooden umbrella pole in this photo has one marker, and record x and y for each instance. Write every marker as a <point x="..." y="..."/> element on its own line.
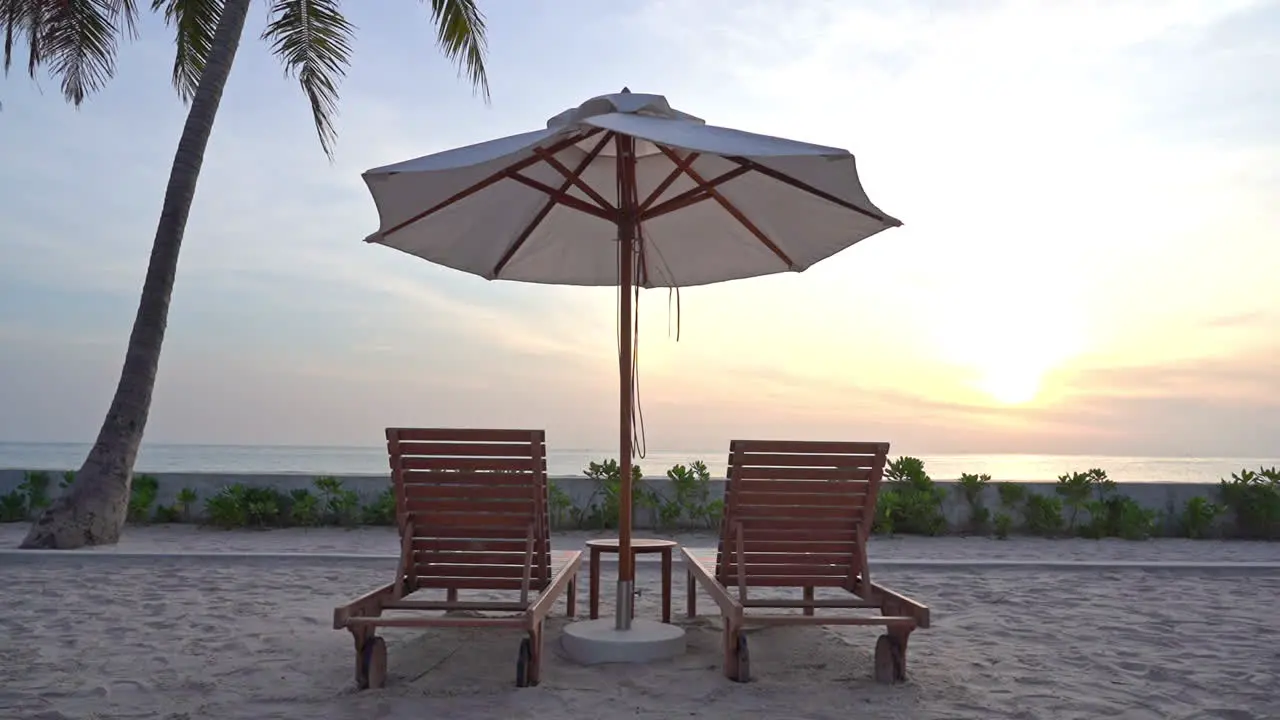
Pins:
<point x="627" y="215"/>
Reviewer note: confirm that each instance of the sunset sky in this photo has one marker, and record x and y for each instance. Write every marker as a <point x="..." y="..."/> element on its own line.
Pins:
<point x="1090" y="261"/>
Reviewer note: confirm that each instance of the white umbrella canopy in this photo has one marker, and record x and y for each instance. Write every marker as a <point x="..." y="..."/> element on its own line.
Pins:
<point x="714" y="204"/>
<point x="625" y="191"/>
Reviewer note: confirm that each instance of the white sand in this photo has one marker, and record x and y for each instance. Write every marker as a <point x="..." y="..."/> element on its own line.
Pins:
<point x="172" y="637"/>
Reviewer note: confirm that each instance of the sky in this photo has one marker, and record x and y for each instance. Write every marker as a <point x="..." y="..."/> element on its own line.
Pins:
<point x="1087" y="264"/>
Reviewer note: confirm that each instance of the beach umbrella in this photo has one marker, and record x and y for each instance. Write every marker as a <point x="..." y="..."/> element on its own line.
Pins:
<point x="625" y="191"/>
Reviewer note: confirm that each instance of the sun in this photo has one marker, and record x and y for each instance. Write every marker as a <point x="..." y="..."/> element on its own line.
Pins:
<point x="1011" y="385"/>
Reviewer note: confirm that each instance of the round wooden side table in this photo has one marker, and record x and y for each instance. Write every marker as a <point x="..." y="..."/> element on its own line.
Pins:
<point x="639" y="546"/>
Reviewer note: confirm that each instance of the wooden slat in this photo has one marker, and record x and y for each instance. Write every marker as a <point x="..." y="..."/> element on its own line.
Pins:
<point x="469" y="464"/>
<point x="470" y="558"/>
<point x="763" y="459"/>
<point x="793" y="558"/>
<point x="809" y="447"/>
<point x="786" y="581"/>
<point x="455" y="449"/>
<point x="845" y="501"/>
<point x="461" y="544"/>
<point x="472" y="521"/>
<point x="800" y="487"/>
<point x="802" y="473"/>
<point x="479" y="508"/>
<point x="463" y="435"/>
<point x="426" y="570"/>
<point x="484" y="494"/>
<point x="462" y="583"/>
<point x="847" y="604"/>
<point x="794" y="568"/>
<point x="522" y="479"/>
<point x="760" y="532"/>
<point x="794" y="519"/>
<point x="845" y="548"/>
<point x="751" y="515"/>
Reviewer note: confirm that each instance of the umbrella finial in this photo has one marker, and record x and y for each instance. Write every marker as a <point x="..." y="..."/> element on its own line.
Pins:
<point x="626" y="91"/>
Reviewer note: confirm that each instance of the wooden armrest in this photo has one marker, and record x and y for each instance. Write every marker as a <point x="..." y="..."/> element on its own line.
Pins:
<point x="729" y="605"/>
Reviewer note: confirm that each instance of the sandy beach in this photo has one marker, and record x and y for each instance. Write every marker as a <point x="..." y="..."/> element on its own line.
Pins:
<point x="173" y="636"/>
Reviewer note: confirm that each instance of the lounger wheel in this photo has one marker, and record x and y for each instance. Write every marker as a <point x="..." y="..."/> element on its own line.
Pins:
<point x="523" y="660"/>
<point x="373" y="664"/>
<point x="890" y="665"/>
<point x="744" y="659"/>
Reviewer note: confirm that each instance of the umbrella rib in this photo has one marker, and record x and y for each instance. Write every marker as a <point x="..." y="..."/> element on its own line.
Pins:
<point x="805" y="187"/>
<point x="666" y="182"/>
<point x="694" y="195"/>
<point x="731" y="209"/>
<point x="565" y="199"/>
<point x="492" y="179"/>
<point x="547" y="207"/>
<point x="575" y="179"/>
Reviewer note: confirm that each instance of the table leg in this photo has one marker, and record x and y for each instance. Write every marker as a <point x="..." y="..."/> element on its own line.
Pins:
<point x="666" y="585"/>
<point x="593" y="591"/>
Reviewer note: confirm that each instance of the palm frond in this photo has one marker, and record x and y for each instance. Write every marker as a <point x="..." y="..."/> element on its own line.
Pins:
<point x="460" y="33"/>
<point x="313" y="40"/>
<point x="77" y="40"/>
<point x="22" y="19"/>
<point x="194" y="22"/>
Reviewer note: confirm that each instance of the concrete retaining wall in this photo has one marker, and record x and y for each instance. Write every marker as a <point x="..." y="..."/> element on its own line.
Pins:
<point x="1166" y="498"/>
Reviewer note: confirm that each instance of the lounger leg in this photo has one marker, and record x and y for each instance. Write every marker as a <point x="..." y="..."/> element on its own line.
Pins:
<point x="900" y="636"/>
<point x="371" y="659"/>
<point x="451" y="595"/>
<point x="808" y="597"/>
<point x="571" y="598"/>
<point x="691" y="604"/>
<point x="737" y="662"/>
<point x="535" y="666"/>
<point x="360" y="634"/>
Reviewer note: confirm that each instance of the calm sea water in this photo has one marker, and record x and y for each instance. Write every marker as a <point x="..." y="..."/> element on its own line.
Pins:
<point x="359" y="460"/>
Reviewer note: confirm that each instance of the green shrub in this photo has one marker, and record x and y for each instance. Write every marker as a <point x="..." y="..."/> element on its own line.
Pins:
<point x="13" y="507"/>
<point x="68" y="479"/>
<point x="559" y="505"/>
<point x="1254" y="501"/>
<point x="603" y="505"/>
<point x="382" y="511"/>
<point x="916" y="506"/>
<point x="1198" y="517"/>
<point x="35" y="491"/>
<point x="340" y="506"/>
<point x="142" y="496"/>
<point x="1004" y="523"/>
<point x="1043" y="514"/>
<point x="971" y="487"/>
<point x="304" y="508"/>
<point x="187" y="499"/>
<point x="690" y="497"/>
<point x="226" y="509"/>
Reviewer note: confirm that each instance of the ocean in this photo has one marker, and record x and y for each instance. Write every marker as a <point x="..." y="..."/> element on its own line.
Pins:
<point x="331" y="460"/>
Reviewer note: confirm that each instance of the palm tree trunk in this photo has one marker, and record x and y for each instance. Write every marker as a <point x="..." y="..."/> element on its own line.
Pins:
<point x="94" y="509"/>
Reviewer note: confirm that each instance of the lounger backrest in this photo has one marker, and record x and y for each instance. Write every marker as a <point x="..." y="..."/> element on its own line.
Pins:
<point x="805" y="509"/>
<point x="470" y="499"/>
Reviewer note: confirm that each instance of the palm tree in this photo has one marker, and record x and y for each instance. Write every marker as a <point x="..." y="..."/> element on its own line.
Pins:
<point x="76" y="40"/>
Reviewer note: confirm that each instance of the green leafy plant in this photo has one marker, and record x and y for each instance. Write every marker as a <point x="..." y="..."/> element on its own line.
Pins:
<point x="916" y="506"/>
<point x="35" y="490"/>
<point x="186" y="501"/>
<point x="304" y="508"/>
<point x="142" y="496"/>
<point x="340" y="505"/>
<point x="886" y="510"/>
<point x="559" y="505"/>
<point x="263" y="506"/>
<point x="1253" y="499"/>
<point x="1043" y="514"/>
<point x="971" y="488"/>
<point x="1003" y="524"/>
<point x="382" y="511"/>
<point x="1076" y="490"/>
<point x="691" y="492"/>
<point x="602" y="507"/>
<point x="1199" y="516"/>
<point x="68" y="479"/>
<point x="226" y="509"/>
<point x="13" y="506"/>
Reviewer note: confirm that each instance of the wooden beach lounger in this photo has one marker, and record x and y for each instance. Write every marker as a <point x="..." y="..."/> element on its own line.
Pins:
<point x="471" y="506"/>
<point x="798" y="515"/>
